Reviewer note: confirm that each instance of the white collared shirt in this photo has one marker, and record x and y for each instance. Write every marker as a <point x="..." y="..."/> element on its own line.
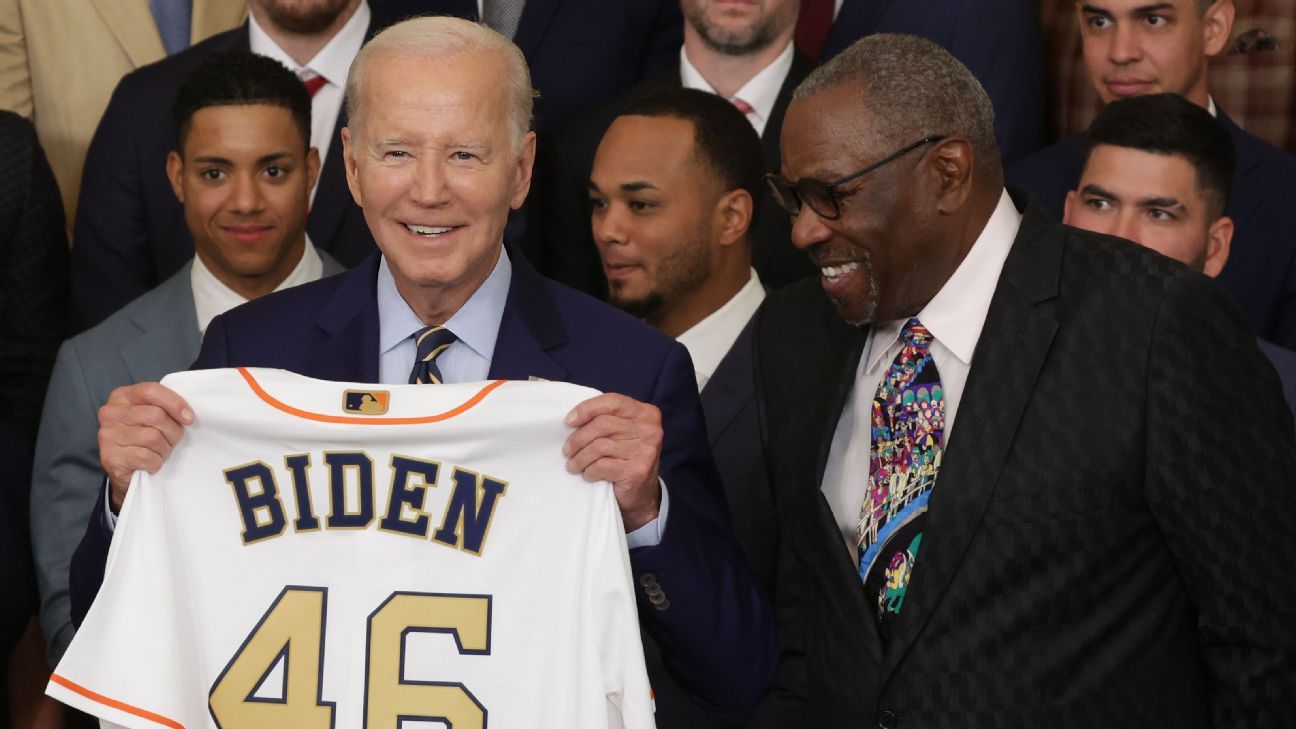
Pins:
<point x="710" y="340"/>
<point x="332" y="62"/>
<point x="761" y="91"/>
<point x="955" y="317"/>
<point x="213" y="298"/>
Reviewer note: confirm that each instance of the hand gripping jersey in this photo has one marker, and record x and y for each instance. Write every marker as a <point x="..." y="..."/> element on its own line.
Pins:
<point x="322" y="555"/>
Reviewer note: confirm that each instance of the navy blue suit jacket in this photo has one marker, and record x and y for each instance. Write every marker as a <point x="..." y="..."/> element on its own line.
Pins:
<point x="1000" y="41"/>
<point x="1284" y="362"/>
<point x="581" y="52"/>
<point x="130" y="230"/>
<point x="1261" y="269"/>
<point x="715" y="627"/>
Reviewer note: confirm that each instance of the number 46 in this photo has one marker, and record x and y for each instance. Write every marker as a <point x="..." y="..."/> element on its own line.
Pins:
<point x="292" y="632"/>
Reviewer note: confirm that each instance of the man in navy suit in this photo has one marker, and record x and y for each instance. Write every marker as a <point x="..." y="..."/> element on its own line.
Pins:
<point x="1157" y="171"/>
<point x="436" y="154"/>
<point x="1000" y="42"/>
<point x="1129" y="50"/>
<point x="674" y="190"/>
<point x="130" y="231"/>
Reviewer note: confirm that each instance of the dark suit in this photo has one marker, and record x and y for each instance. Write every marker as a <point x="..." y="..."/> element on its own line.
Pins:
<point x="729" y="403"/>
<point x="1000" y="41"/>
<point x="559" y="238"/>
<point x="1284" y="363"/>
<point x="19" y="604"/>
<point x="713" y="618"/>
<point x="581" y="52"/>
<point x="130" y="230"/>
<point x="33" y="273"/>
<point x="1109" y="541"/>
<point x="1261" y="269"/>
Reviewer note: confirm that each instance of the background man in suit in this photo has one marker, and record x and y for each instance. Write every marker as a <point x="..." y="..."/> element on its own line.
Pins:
<point x="1000" y="41"/>
<point x="744" y="53"/>
<point x="243" y="170"/>
<point x="673" y="191"/>
<point x="437" y="153"/>
<point x="1157" y="171"/>
<point x="60" y="59"/>
<point x="1129" y="50"/>
<point x="1010" y="492"/>
<point x="131" y="232"/>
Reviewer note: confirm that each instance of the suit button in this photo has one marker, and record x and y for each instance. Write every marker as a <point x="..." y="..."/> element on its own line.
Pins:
<point x="663" y="605"/>
<point x="656" y="598"/>
<point x="648" y="580"/>
<point x="887" y="720"/>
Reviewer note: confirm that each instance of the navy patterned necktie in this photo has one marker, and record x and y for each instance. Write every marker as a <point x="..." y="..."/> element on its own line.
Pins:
<point x="503" y="15"/>
<point x="173" y="19"/>
<point x="905" y="456"/>
<point x="429" y="343"/>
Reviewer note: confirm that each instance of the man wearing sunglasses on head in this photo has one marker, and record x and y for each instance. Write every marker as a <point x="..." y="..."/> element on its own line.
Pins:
<point x="1102" y="537"/>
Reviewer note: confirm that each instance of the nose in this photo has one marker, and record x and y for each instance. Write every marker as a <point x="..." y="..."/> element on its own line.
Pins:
<point x="1126" y="226"/>
<point x="247" y="198"/>
<point x="430" y="185"/>
<point x="606" y="225"/>
<point x="1125" y="46"/>
<point x="808" y="228"/>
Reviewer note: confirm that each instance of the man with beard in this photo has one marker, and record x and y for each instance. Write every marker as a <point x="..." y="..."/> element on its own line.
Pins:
<point x="673" y="191"/>
<point x="130" y="230"/>
<point x="1025" y="475"/>
<point x="741" y="52"/>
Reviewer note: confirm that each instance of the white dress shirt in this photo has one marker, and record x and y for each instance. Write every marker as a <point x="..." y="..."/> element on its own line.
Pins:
<point x="213" y="298"/>
<point x="332" y="62"/>
<point x="710" y="340"/>
<point x="955" y="317"/>
<point x="761" y="91"/>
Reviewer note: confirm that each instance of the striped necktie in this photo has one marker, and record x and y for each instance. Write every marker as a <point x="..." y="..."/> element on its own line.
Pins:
<point x="173" y="19"/>
<point x="429" y="343"/>
<point x="503" y="15"/>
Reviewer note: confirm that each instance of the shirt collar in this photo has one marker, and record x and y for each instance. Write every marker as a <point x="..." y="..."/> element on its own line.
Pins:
<point x="956" y="314"/>
<point x="476" y="324"/>
<point x="333" y="61"/>
<point x="761" y="90"/>
<point x="1210" y="106"/>
<point x="213" y="298"/>
<point x="710" y="340"/>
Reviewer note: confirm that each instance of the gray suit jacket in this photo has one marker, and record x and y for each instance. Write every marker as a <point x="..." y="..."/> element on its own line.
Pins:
<point x="153" y="336"/>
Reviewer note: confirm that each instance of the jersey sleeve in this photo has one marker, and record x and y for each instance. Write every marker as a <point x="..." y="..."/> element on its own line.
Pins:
<point x="131" y="663"/>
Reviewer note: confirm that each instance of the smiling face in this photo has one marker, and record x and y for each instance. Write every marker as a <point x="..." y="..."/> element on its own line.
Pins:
<point x="436" y="170"/>
<point x="880" y="260"/>
<point x="1153" y="200"/>
<point x="740" y="27"/>
<point x="1136" y="47"/>
<point x="244" y="176"/>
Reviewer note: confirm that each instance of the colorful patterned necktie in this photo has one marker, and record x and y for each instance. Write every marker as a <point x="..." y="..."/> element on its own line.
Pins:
<point x="905" y="455"/>
<point x="429" y="343"/>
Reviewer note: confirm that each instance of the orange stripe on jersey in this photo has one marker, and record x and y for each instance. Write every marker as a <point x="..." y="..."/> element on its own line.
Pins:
<point x="113" y="703"/>
<point x="345" y="419"/>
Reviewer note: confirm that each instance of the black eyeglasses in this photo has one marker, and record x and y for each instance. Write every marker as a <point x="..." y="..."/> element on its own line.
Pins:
<point x="823" y="197"/>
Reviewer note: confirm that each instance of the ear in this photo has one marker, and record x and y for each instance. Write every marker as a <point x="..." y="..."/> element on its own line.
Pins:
<point x="522" y="175"/>
<point x="175" y="173"/>
<point x="734" y="213"/>
<point x="1217" y="26"/>
<point x="1217" y="246"/>
<point x="350" y="164"/>
<point x="312" y="167"/>
<point x="952" y="164"/>
<point x="1066" y="207"/>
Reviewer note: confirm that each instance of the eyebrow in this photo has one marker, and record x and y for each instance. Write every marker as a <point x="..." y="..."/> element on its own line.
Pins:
<point x="1160" y="202"/>
<point x="1097" y="191"/>
<point x="263" y="159"/>
<point x="1140" y="10"/>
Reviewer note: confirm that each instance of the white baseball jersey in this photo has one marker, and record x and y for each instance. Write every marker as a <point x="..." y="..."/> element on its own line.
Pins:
<point x="324" y="555"/>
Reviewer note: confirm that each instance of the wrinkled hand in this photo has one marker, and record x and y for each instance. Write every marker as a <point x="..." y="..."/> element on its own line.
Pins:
<point x="619" y="439"/>
<point x="138" y="426"/>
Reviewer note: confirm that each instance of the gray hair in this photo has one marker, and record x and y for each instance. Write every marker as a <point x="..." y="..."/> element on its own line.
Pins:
<point x="431" y="37"/>
<point x="913" y="89"/>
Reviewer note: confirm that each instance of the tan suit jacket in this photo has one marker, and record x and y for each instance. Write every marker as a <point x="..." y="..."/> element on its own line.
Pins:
<point x="61" y="59"/>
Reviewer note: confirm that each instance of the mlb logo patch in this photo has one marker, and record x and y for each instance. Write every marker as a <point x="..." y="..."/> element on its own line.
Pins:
<point x="366" y="402"/>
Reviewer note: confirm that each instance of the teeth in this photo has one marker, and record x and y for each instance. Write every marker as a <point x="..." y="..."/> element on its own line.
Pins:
<point x="835" y="271"/>
<point x="427" y="229"/>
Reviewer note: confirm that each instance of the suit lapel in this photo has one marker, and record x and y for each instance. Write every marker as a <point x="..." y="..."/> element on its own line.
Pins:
<point x="730" y="388"/>
<point x="1006" y="364"/>
<point x="531" y="325"/>
<point x="536" y="15"/>
<point x="167" y="330"/>
<point x="857" y="19"/>
<point x="1242" y="198"/>
<point x="801" y="67"/>
<point x="348" y="346"/>
<point x="133" y="25"/>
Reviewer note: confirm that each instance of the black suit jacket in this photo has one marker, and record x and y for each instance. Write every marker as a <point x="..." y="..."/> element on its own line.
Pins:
<point x="130" y="230"/>
<point x="559" y="239"/>
<point x="581" y="52"/>
<point x="1109" y="541"/>
<point x="1000" y="41"/>
<point x="1261" y="269"/>
<point x="16" y="573"/>
<point x="33" y="273"/>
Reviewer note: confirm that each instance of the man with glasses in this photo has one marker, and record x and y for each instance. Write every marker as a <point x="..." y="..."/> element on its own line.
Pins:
<point x="1104" y="539"/>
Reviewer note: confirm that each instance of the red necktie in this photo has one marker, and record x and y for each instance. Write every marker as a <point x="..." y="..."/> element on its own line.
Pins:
<point x="813" y="26"/>
<point x="742" y="106"/>
<point x="313" y="84"/>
